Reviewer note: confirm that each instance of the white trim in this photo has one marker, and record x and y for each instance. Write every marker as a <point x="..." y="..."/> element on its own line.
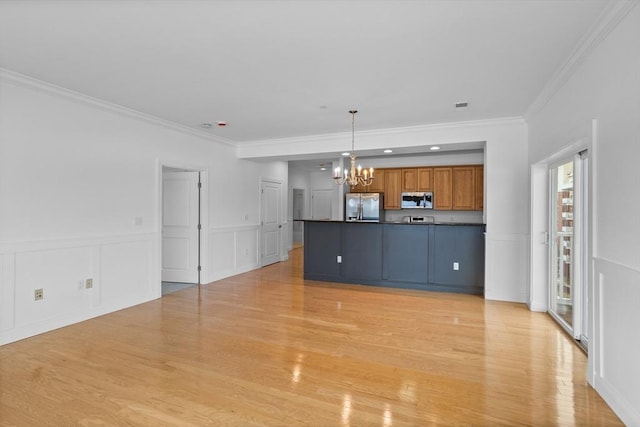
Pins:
<point x="614" y="12"/>
<point x="97" y="306"/>
<point x="245" y="149"/>
<point x="71" y="242"/>
<point x="32" y="83"/>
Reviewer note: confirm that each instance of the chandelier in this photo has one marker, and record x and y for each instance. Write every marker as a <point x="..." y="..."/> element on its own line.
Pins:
<point x="356" y="175"/>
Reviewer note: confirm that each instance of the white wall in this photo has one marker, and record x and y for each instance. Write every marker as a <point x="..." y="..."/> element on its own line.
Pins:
<point x="605" y="87"/>
<point x="74" y="174"/>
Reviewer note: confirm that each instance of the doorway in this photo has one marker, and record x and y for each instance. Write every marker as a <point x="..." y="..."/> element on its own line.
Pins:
<point x="321" y="204"/>
<point x="298" y="216"/>
<point x="568" y="248"/>
<point x="181" y="240"/>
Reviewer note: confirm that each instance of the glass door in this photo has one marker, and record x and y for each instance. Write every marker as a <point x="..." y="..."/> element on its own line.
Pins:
<point x="562" y="242"/>
<point x="568" y="249"/>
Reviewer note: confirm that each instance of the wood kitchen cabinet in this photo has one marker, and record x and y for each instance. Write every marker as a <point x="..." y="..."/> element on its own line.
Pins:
<point x="442" y="188"/>
<point x="392" y="188"/>
<point x="479" y="196"/>
<point x="417" y="179"/>
<point x="377" y="186"/>
<point x="464" y="188"/>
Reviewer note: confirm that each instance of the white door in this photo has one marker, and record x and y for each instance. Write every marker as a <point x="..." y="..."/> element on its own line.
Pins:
<point x="321" y="204"/>
<point x="270" y="222"/>
<point x="180" y="234"/>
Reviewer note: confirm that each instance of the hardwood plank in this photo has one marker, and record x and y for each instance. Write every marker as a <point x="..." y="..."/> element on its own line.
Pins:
<point x="268" y="348"/>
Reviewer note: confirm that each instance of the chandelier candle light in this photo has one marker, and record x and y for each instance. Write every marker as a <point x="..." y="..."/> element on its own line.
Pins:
<point x="356" y="175"/>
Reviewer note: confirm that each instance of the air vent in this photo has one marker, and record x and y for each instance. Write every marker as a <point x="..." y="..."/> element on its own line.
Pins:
<point x="461" y="105"/>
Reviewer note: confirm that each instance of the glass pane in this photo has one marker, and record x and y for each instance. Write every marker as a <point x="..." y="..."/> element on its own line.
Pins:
<point x="562" y="238"/>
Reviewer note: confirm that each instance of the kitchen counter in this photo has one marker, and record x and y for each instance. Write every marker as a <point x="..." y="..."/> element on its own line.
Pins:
<point x="431" y="256"/>
<point x="396" y="222"/>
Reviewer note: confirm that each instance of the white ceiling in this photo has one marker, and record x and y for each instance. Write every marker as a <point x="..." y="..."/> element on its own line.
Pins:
<point x="274" y="69"/>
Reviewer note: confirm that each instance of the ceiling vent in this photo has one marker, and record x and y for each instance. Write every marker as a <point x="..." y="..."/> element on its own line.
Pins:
<point x="461" y="105"/>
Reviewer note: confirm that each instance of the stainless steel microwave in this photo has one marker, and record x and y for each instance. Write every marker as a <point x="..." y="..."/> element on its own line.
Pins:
<point x="417" y="200"/>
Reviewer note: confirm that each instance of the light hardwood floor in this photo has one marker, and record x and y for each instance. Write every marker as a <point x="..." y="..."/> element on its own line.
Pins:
<point x="268" y="348"/>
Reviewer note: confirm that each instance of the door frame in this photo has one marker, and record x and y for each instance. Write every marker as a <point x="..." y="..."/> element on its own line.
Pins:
<point x="293" y="215"/>
<point x="540" y="267"/>
<point x="204" y="215"/>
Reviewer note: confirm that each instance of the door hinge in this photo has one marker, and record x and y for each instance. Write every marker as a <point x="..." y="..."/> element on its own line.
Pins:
<point x="199" y="184"/>
<point x="199" y="268"/>
<point x="199" y="226"/>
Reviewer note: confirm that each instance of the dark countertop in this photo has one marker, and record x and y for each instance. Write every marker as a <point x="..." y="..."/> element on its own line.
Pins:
<point x="394" y="222"/>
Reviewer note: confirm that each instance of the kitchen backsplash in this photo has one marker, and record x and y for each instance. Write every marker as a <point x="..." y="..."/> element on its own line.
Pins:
<point x="438" y="216"/>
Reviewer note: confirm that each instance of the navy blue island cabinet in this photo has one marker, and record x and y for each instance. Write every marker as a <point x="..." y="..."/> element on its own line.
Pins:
<point x="437" y="257"/>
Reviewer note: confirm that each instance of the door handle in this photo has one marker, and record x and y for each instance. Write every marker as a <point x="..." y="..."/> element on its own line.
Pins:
<point x="280" y="226"/>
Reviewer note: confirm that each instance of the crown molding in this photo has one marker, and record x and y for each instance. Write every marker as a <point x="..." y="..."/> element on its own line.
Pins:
<point x="33" y="83"/>
<point x="505" y="121"/>
<point x="610" y="17"/>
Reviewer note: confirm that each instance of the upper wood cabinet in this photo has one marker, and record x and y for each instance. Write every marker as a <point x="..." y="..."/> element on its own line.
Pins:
<point x="454" y="187"/>
<point x="392" y="188"/>
<point x="442" y="188"/>
<point x="417" y="179"/>
<point x="479" y="202"/>
<point x="464" y="188"/>
<point x="377" y="186"/>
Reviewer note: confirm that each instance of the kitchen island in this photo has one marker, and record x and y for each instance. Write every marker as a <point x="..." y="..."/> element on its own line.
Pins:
<point x="438" y="257"/>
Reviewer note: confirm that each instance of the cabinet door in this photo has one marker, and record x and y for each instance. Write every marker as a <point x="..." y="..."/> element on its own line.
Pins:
<point x="464" y="188"/>
<point x="425" y="179"/>
<point x="479" y="197"/>
<point x="459" y="246"/>
<point x="409" y="179"/>
<point x="392" y="188"/>
<point x="405" y="253"/>
<point x="442" y="188"/>
<point x="320" y="262"/>
<point x="377" y="186"/>
<point x="361" y="251"/>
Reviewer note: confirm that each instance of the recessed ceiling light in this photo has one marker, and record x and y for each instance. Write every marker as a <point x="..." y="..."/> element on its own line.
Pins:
<point x="222" y="124"/>
<point x="434" y="148"/>
<point x="346" y="154"/>
<point x="205" y="125"/>
<point x="387" y="151"/>
<point x="323" y="168"/>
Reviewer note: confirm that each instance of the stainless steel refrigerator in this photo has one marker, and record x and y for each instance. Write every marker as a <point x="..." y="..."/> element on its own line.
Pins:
<point x="363" y="207"/>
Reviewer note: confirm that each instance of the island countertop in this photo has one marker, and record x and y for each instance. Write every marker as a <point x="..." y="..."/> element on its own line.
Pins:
<point x="395" y="222"/>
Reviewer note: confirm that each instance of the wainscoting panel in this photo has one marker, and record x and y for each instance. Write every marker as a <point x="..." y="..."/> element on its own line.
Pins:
<point x="126" y="273"/>
<point x="61" y="274"/>
<point x="7" y="291"/>
<point x="79" y="279"/>
<point x="232" y="250"/>
<point x="506" y="273"/>
<point x="615" y="347"/>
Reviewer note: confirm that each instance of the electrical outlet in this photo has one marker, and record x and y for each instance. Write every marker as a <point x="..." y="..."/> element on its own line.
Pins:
<point x="339" y="259"/>
<point x="456" y="266"/>
<point x="88" y="283"/>
<point x="38" y="294"/>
